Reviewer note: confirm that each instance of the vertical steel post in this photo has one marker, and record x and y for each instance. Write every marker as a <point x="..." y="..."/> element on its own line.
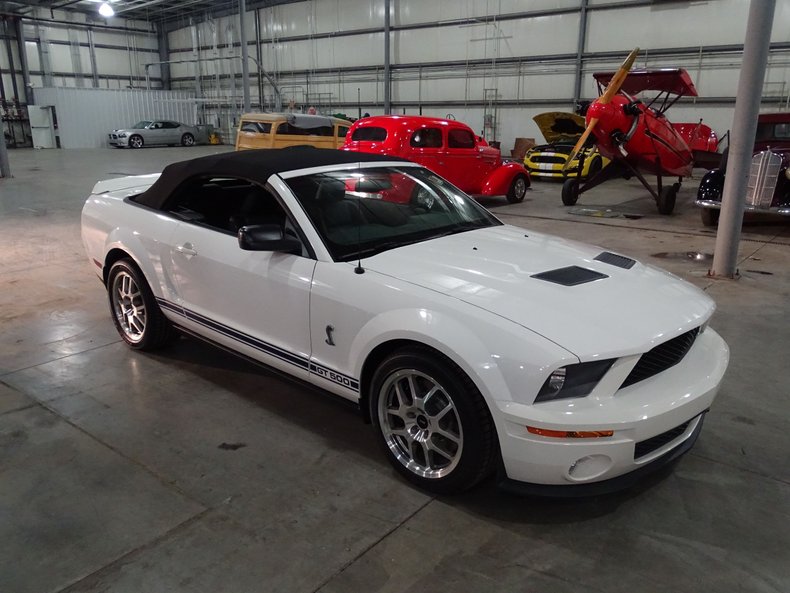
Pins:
<point x="259" y="58"/>
<point x="20" y="39"/>
<point x="5" y="166"/>
<point x="577" y="85"/>
<point x="164" y="55"/>
<point x="245" y="64"/>
<point x="387" y="81"/>
<point x="94" y="68"/>
<point x="744" y="128"/>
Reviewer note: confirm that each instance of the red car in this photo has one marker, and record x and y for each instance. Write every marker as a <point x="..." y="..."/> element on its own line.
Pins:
<point x="447" y="147"/>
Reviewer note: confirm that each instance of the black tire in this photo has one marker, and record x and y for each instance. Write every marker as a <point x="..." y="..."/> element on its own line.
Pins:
<point x="570" y="192"/>
<point x="518" y="189"/>
<point x="709" y="216"/>
<point x="187" y="140"/>
<point x="666" y="199"/>
<point x="446" y="445"/>
<point x="136" y="141"/>
<point x="595" y="167"/>
<point x="127" y="289"/>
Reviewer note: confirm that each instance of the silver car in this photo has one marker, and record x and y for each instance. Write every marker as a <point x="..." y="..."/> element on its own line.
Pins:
<point x="150" y="132"/>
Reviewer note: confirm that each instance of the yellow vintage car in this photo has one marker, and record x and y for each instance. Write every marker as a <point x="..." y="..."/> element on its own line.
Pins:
<point x="280" y="130"/>
<point x="561" y="131"/>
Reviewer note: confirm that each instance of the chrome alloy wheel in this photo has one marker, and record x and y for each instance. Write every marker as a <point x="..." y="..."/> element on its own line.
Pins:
<point x="519" y="189"/>
<point x="128" y="306"/>
<point x="420" y="424"/>
<point x="136" y="142"/>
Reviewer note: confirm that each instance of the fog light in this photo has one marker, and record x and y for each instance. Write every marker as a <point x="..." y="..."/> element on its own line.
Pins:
<point x="589" y="467"/>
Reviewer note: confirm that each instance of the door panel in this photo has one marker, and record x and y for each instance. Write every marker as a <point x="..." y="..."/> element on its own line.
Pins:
<point x="252" y="301"/>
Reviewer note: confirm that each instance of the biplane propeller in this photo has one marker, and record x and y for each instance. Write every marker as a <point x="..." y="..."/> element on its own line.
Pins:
<point x="637" y="137"/>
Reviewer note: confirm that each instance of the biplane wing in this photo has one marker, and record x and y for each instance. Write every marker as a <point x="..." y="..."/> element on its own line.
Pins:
<point x="675" y="81"/>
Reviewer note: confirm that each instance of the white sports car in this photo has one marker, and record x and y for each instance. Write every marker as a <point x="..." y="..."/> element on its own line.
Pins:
<point x="472" y="346"/>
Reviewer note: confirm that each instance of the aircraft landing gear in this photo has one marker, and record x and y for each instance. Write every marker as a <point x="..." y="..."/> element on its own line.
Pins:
<point x="570" y="192"/>
<point x="666" y="198"/>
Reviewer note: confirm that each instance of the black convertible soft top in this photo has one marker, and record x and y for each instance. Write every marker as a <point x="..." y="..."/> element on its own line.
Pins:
<point x="253" y="165"/>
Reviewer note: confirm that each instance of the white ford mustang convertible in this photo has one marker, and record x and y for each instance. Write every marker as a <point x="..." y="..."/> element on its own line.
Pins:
<point x="470" y="345"/>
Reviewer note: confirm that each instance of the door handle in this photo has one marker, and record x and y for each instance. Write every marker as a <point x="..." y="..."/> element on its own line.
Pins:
<point x="186" y="249"/>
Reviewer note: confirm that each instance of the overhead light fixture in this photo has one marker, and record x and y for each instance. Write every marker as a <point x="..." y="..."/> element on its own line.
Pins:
<point x="106" y="10"/>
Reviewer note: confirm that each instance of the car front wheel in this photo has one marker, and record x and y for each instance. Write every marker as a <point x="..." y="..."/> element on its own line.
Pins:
<point x="518" y="189"/>
<point x="187" y="140"/>
<point x="136" y="141"/>
<point x="433" y="422"/>
<point x="137" y="316"/>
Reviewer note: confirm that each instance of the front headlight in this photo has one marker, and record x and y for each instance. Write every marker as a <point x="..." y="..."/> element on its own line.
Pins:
<point x="122" y="135"/>
<point x="574" y="380"/>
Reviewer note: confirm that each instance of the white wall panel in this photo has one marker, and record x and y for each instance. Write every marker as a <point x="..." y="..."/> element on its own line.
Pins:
<point x="672" y="24"/>
<point x="410" y="12"/>
<point x="86" y="116"/>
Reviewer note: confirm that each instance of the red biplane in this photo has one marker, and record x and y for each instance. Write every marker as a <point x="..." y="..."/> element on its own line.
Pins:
<point x="638" y="137"/>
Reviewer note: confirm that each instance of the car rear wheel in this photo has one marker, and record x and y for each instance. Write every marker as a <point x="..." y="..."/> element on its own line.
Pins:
<point x="710" y="216"/>
<point x="518" y="189"/>
<point x="432" y="421"/>
<point x="136" y="141"/>
<point x="187" y="140"/>
<point x="570" y="192"/>
<point x="137" y="316"/>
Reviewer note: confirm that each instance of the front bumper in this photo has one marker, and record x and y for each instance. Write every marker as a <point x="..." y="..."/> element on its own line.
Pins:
<point x="654" y="421"/>
<point x="549" y="170"/>
<point x="716" y="205"/>
<point x="117" y="141"/>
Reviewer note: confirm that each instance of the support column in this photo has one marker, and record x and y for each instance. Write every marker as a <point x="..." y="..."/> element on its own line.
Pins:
<point x="245" y="64"/>
<point x="20" y="39"/>
<point x="259" y="58"/>
<point x="744" y="128"/>
<point x="94" y="68"/>
<point x="577" y="85"/>
<point x="387" y="76"/>
<point x="163" y="43"/>
<point x="5" y="166"/>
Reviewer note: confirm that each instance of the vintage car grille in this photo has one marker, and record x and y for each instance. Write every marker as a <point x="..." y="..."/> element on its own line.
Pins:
<point x="661" y="357"/>
<point x="763" y="177"/>
<point x="548" y="158"/>
<point x="647" y="446"/>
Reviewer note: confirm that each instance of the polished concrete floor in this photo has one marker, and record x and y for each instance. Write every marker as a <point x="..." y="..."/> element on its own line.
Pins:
<point x="190" y="470"/>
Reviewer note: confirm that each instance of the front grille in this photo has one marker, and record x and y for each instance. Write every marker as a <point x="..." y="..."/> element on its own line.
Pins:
<point x="547" y="158"/>
<point x="661" y="357"/>
<point x="114" y="136"/>
<point x="647" y="446"/>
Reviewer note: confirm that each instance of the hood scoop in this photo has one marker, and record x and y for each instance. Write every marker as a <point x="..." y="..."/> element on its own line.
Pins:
<point x="570" y="276"/>
<point x="613" y="259"/>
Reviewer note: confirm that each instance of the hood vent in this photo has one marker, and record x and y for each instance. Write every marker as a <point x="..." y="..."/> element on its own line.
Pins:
<point x="570" y="276"/>
<point x="613" y="259"/>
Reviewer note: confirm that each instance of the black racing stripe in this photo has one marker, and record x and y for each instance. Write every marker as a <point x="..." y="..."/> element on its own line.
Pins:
<point x="247" y="339"/>
<point x="265" y="347"/>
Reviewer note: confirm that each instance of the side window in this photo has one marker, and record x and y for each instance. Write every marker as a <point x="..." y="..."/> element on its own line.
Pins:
<point x="369" y="134"/>
<point x="256" y="127"/>
<point x="170" y="125"/>
<point x="342" y="131"/>
<point x="157" y="125"/>
<point x="286" y="128"/>
<point x="225" y="204"/>
<point x="460" y="139"/>
<point x="427" y="138"/>
<point x="782" y="131"/>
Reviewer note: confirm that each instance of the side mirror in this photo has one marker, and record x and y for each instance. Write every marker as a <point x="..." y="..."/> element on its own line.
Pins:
<point x="267" y="237"/>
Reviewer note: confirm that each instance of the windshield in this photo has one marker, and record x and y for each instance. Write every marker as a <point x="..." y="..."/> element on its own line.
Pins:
<point x="140" y="125"/>
<point x="361" y="212"/>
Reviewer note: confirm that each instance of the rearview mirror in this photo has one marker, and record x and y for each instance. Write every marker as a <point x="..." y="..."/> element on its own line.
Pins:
<point x="267" y="237"/>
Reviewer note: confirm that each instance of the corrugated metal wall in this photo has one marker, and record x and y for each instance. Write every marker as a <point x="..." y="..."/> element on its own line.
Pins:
<point x="85" y="116"/>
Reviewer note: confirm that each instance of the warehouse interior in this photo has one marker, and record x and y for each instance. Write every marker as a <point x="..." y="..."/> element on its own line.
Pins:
<point x="190" y="469"/>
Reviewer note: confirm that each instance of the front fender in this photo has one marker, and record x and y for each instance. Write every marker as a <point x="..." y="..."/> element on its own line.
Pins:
<point x="506" y="362"/>
<point x="498" y="181"/>
<point x="711" y="186"/>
